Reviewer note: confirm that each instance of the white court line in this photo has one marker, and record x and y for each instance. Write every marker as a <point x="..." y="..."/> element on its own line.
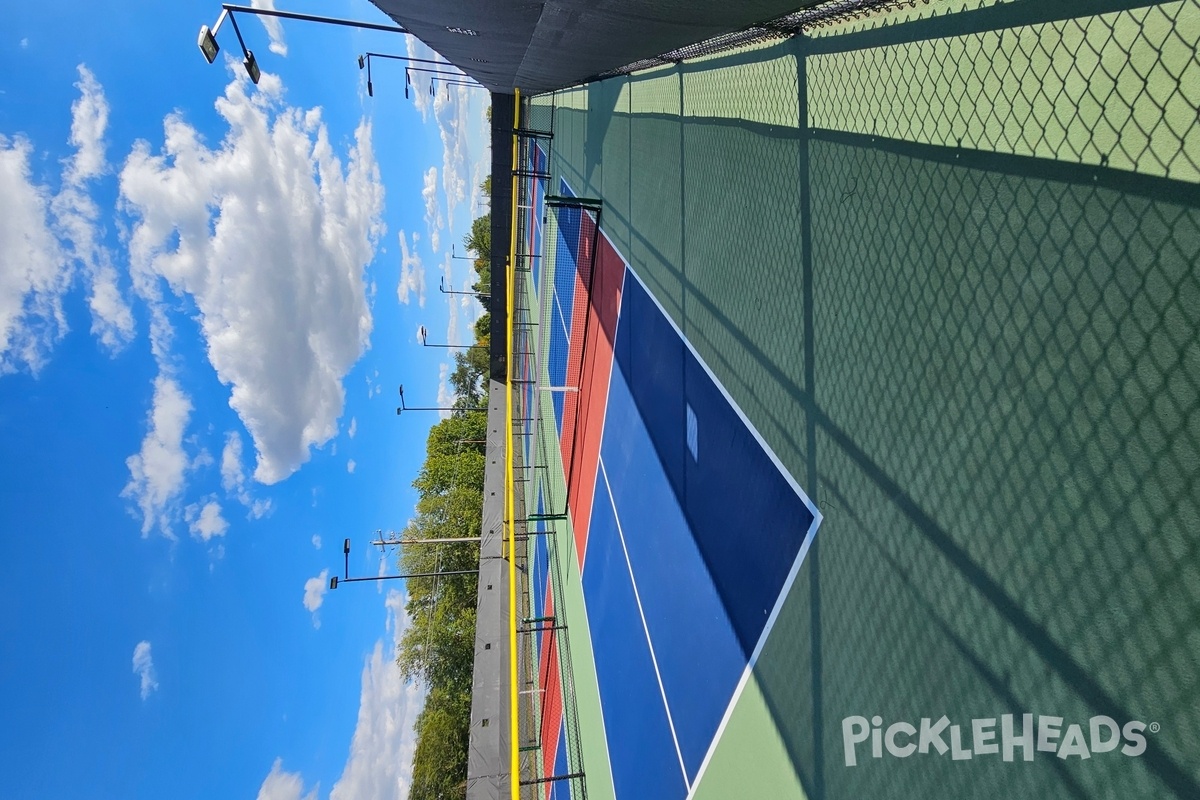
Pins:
<point x="653" y="659"/>
<point x="561" y="315"/>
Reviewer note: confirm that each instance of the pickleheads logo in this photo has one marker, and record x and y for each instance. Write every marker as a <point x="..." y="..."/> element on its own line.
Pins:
<point x="992" y="736"/>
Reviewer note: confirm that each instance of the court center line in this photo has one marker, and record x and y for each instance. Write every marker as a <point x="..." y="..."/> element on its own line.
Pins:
<point x="638" y="598"/>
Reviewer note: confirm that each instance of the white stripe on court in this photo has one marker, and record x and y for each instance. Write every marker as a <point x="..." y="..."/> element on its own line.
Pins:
<point x="649" y="643"/>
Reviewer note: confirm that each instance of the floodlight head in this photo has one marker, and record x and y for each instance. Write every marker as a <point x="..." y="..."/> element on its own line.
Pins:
<point x="208" y="44"/>
<point x="370" y="90"/>
<point x="362" y="62"/>
<point x="333" y="582"/>
<point x="406" y="91"/>
<point x="346" y="547"/>
<point x="398" y="410"/>
<point x="251" y="65"/>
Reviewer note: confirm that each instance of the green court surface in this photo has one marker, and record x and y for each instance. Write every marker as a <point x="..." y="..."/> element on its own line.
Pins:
<point x="949" y="267"/>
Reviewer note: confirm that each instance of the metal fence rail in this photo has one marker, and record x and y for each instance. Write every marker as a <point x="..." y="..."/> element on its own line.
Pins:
<point x="544" y="691"/>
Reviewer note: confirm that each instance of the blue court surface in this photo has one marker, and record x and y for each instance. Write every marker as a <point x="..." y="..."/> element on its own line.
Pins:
<point x="691" y="531"/>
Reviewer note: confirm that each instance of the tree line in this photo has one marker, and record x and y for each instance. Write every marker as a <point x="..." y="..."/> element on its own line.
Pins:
<point x="438" y="646"/>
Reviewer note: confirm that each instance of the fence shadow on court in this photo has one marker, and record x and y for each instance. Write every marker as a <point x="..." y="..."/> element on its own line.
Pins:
<point x="963" y="305"/>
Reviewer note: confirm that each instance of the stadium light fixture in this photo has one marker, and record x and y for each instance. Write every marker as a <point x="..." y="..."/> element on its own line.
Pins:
<point x="335" y="580"/>
<point x="405" y="407"/>
<point x="209" y="47"/>
<point x="422" y="333"/>
<point x="442" y="288"/>
<point x="364" y="62"/>
<point x="207" y="40"/>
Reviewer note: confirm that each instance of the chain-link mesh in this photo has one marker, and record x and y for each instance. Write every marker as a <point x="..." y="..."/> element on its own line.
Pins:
<point x="1116" y="90"/>
<point x="817" y="15"/>
<point x="537" y="115"/>
<point x="946" y="260"/>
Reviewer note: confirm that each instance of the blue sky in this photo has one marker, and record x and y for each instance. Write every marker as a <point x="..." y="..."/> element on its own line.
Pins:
<point x="208" y="294"/>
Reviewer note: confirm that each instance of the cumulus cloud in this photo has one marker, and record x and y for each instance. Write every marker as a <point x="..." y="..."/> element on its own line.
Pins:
<point x="314" y="594"/>
<point x="35" y="273"/>
<point x="143" y="667"/>
<point x="450" y="112"/>
<point x="43" y="235"/>
<point x="78" y="217"/>
<point x="434" y="221"/>
<point x="353" y="427"/>
<point x="280" y="785"/>
<point x="412" y="272"/>
<point x="274" y="28"/>
<point x="316" y="541"/>
<point x="382" y="749"/>
<point x="480" y="202"/>
<point x="350" y="466"/>
<point x="157" y="471"/>
<point x="269" y="237"/>
<point x="206" y="521"/>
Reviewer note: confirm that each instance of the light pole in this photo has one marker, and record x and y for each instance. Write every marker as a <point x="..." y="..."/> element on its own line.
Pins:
<point x="442" y="288"/>
<point x="448" y="84"/>
<point x="335" y="580"/>
<point x="454" y="254"/>
<point x="421" y="333"/>
<point x="364" y="61"/>
<point x="404" y="407"/>
<point x="208" y="36"/>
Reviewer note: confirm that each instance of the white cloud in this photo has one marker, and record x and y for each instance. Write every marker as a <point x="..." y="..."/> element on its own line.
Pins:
<point x="78" y="217"/>
<point x="480" y="202"/>
<point x="280" y="785"/>
<point x="43" y="236"/>
<point x="143" y="667"/>
<point x="206" y="521"/>
<point x="412" y="272"/>
<point x="417" y="49"/>
<point x="274" y="28"/>
<point x="314" y="594"/>
<point x="445" y="395"/>
<point x="450" y="113"/>
<point x="233" y="477"/>
<point x="24" y="42"/>
<point x="350" y="466"/>
<point x="316" y="541"/>
<point x="156" y="472"/>
<point x="269" y="238"/>
<point x="353" y="427"/>
<point x="35" y="270"/>
<point x="434" y="221"/>
<point x="382" y="749"/>
<point x="89" y="121"/>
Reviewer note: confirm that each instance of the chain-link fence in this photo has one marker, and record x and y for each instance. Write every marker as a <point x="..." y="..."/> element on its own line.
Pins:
<point x="551" y="759"/>
<point x="819" y="14"/>
<point x="946" y="259"/>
